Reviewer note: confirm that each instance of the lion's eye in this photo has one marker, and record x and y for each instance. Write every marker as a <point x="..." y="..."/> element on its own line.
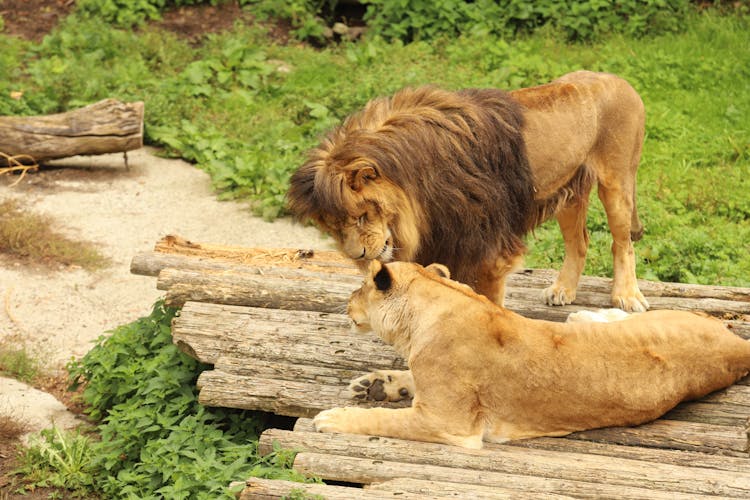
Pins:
<point x="362" y="219"/>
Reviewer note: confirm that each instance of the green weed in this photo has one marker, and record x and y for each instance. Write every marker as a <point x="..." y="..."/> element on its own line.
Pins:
<point x="156" y="440"/>
<point x="57" y="459"/>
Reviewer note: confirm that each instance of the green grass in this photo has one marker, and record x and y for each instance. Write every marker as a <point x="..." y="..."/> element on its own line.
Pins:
<point x="17" y="362"/>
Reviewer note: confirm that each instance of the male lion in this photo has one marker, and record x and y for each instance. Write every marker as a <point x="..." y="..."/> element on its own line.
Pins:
<point x="483" y="372"/>
<point x="430" y="175"/>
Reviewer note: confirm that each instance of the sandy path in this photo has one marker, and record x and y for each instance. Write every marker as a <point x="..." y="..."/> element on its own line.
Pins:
<point x="58" y="313"/>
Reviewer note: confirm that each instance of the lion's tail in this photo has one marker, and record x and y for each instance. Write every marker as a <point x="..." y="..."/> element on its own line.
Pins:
<point x="636" y="226"/>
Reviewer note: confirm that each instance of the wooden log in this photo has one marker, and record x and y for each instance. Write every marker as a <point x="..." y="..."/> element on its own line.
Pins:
<point x="518" y="462"/>
<point x="316" y="293"/>
<point x="268" y="489"/>
<point x="441" y="489"/>
<point x="335" y="263"/>
<point x="367" y="471"/>
<point x="108" y="126"/>
<point x="254" y="290"/>
<point x="671" y="434"/>
<point x="282" y="397"/>
<point x="209" y="331"/>
<point x="576" y="446"/>
<point x="152" y="263"/>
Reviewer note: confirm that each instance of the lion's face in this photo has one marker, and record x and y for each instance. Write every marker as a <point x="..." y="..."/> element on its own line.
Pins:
<point x="363" y="235"/>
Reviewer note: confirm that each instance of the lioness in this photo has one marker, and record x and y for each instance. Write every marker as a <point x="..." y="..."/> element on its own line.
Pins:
<point x="430" y="175"/>
<point x="483" y="372"/>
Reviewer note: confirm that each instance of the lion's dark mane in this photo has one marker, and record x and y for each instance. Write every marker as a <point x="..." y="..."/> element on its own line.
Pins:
<point x="460" y="155"/>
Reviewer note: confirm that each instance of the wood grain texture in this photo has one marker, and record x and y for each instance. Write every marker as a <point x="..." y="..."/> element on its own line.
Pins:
<point x="367" y="471"/>
<point x="573" y="466"/>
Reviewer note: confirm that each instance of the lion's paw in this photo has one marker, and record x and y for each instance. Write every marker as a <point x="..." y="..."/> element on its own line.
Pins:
<point x="383" y="385"/>
<point x="334" y="420"/>
<point x="556" y="295"/>
<point x="634" y="302"/>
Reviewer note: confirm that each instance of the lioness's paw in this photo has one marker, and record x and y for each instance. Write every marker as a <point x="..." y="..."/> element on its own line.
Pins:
<point x="334" y="420"/>
<point x="633" y="302"/>
<point x="556" y="295"/>
<point x="383" y="385"/>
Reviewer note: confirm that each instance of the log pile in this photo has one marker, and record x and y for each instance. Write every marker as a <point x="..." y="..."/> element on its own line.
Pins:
<point x="271" y="323"/>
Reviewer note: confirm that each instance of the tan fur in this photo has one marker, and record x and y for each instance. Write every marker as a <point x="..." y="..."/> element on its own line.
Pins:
<point x="459" y="177"/>
<point x="481" y="372"/>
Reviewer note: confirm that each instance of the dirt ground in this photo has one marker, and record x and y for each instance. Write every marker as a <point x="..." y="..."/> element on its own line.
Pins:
<point x="57" y="313"/>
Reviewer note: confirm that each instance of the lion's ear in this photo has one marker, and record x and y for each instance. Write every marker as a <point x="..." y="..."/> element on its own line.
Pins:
<point x="439" y="269"/>
<point x="360" y="177"/>
<point x="383" y="279"/>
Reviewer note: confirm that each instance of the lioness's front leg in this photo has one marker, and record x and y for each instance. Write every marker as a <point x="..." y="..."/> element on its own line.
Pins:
<point x="383" y="385"/>
<point x="401" y="423"/>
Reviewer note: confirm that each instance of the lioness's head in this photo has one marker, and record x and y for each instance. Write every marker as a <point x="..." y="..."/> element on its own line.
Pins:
<point x="379" y="304"/>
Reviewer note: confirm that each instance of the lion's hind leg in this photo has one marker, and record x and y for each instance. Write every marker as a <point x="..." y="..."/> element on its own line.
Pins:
<point x="383" y="385"/>
<point x="402" y="423"/>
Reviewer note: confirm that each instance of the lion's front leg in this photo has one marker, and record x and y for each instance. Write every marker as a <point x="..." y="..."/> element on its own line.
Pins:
<point x="383" y="385"/>
<point x="401" y="423"/>
<point x="572" y="222"/>
<point x="492" y="276"/>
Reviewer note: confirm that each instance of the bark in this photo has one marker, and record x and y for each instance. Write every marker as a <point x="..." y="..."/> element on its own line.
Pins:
<point x="108" y="126"/>
<point x="591" y="485"/>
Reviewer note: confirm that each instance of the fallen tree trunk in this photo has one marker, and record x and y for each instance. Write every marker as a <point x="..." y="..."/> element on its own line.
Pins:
<point x="108" y="126"/>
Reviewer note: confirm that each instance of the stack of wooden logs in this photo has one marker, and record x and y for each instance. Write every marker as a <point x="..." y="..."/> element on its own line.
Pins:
<point x="271" y="323"/>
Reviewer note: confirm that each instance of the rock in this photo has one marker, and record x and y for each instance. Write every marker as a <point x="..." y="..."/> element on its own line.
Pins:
<point x="37" y="409"/>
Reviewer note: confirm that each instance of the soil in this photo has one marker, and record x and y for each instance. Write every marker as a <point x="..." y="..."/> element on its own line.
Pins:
<point x="57" y="312"/>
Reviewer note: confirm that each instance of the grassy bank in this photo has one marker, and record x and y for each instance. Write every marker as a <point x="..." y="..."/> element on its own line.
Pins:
<point x="246" y="110"/>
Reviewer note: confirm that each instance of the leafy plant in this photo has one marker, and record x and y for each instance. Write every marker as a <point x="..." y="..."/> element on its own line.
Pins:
<point x="409" y="20"/>
<point x="308" y="18"/>
<point x="127" y="13"/>
<point x="156" y="440"/>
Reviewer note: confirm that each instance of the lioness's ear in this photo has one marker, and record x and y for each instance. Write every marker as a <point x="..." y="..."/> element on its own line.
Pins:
<point x="360" y="177"/>
<point x="439" y="269"/>
<point x="373" y="267"/>
<point x="382" y="279"/>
